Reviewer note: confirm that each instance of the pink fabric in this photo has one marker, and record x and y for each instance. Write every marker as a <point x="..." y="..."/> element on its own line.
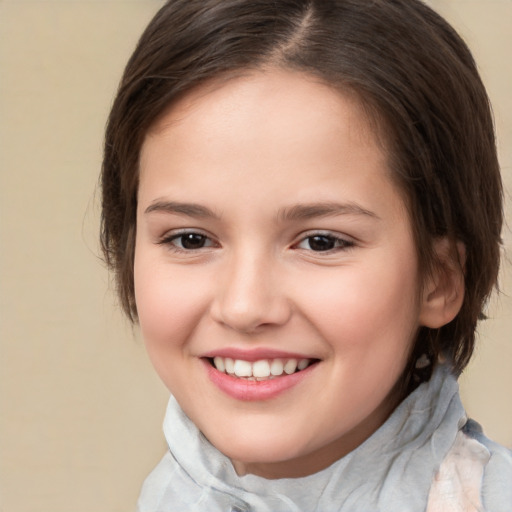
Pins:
<point x="457" y="484"/>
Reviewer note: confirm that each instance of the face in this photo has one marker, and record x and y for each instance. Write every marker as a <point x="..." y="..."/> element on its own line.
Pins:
<point x="276" y="277"/>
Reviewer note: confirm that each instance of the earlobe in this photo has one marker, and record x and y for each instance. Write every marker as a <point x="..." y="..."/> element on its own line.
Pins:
<point x="443" y="291"/>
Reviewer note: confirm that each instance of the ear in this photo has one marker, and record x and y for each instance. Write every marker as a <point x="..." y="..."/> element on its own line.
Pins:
<point x="443" y="290"/>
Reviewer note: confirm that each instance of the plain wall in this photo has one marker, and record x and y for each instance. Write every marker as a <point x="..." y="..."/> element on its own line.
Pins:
<point x="81" y="409"/>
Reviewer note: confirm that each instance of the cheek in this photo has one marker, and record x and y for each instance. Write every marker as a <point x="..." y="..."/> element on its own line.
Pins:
<point x="372" y="305"/>
<point x="169" y="303"/>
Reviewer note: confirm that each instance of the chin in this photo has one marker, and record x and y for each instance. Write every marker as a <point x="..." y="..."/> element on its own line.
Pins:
<point x="260" y="449"/>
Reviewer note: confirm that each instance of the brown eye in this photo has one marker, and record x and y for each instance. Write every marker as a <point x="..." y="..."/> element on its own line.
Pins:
<point x="191" y="241"/>
<point x="187" y="241"/>
<point x="324" y="242"/>
<point x="321" y="243"/>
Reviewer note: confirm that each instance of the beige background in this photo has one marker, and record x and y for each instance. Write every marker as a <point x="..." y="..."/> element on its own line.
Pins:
<point x="80" y="407"/>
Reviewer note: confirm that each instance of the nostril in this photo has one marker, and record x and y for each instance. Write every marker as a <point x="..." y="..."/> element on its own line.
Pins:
<point x="251" y="318"/>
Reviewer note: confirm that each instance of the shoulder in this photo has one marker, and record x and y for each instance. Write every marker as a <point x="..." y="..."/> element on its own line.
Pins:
<point x="497" y="477"/>
<point x="154" y="489"/>
<point x="475" y="475"/>
<point x="168" y="488"/>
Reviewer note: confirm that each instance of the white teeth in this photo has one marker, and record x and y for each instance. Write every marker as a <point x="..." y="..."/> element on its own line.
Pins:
<point x="243" y="368"/>
<point x="277" y="367"/>
<point x="229" y="365"/>
<point x="303" y="364"/>
<point x="290" y="366"/>
<point x="259" y="370"/>
<point x="219" y="363"/>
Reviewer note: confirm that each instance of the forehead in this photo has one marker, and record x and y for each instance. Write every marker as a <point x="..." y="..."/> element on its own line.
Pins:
<point x="282" y="90"/>
<point x="263" y="130"/>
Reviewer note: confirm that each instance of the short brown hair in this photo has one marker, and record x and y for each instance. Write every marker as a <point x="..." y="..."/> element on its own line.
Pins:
<point x="403" y="61"/>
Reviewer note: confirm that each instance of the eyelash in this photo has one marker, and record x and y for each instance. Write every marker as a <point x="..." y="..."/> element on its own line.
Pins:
<point x="338" y="243"/>
<point x="170" y="240"/>
<point x="334" y="243"/>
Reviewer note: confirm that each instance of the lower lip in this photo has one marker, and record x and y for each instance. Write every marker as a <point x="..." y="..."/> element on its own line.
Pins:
<point x="253" y="390"/>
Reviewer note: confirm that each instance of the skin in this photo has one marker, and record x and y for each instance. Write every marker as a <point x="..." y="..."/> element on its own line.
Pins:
<point x="252" y="154"/>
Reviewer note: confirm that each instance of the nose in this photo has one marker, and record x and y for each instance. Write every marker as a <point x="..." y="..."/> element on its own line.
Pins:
<point x="251" y="295"/>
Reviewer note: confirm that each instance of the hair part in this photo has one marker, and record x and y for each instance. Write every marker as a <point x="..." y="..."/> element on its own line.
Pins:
<point x="410" y="71"/>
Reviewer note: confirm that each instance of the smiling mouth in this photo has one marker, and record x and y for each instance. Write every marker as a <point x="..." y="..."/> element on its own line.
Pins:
<point x="264" y="369"/>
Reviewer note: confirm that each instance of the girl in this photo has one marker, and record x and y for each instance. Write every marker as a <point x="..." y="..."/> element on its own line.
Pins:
<point x="302" y="208"/>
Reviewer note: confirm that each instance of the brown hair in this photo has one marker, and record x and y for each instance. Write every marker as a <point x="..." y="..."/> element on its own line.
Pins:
<point x="406" y="65"/>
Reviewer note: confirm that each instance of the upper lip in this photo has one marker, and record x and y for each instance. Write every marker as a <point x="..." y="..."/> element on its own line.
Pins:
<point x="254" y="354"/>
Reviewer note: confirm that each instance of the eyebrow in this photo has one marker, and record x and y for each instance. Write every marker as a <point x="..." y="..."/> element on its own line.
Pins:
<point x="292" y="213"/>
<point x="188" y="209"/>
<point x="328" y="209"/>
